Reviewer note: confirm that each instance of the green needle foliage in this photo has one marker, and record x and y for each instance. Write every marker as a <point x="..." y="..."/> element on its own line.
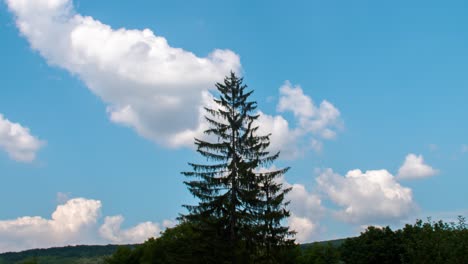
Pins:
<point x="240" y="210"/>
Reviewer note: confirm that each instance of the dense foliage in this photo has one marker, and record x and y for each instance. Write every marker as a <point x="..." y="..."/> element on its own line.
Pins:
<point x="240" y="209"/>
<point x="175" y="245"/>
<point x="423" y="242"/>
<point x="319" y="253"/>
<point x="180" y="244"/>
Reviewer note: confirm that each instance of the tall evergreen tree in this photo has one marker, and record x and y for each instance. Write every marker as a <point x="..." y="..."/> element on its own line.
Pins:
<point x="275" y="237"/>
<point x="239" y="210"/>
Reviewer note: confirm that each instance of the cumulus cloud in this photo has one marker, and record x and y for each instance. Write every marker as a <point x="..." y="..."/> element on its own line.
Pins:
<point x="72" y="223"/>
<point x="111" y="230"/>
<point x="312" y="124"/>
<point x="303" y="202"/>
<point x="148" y="85"/>
<point x="154" y="88"/>
<point x="370" y="197"/>
<point x="283" y="138"/>
<point x="67" y="225"/>
<point x="415" y="168"/>
<point x="303" y="226"/>
<point x="17" y="141"/>
<point x="305" y="207"/>
<point x="320" y="120"/>
<point x="306" y="211"/>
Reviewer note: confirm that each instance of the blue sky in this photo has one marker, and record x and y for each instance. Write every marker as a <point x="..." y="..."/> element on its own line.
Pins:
<point x="98" y="114"/>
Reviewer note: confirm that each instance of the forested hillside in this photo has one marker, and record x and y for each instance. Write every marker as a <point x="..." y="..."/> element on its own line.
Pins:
<point x="70" y="254"/>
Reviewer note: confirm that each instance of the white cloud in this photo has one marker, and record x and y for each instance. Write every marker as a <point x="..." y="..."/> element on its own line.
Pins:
<point x="415" y="168"/>
<point x="282" y="137"/>
<point x="112" y="231"/>
<point x="367" y="198"/>
<point x="321" y="121"/>
<point x="67" y="225"/>
<point x="148" y="85"/>
<point x="303" y="227"/>
<point x="306" y="211"/>
<point x="72" y="223"/>
<point x="293" y="99"/>
<point x="312" y="124"/>
<point x="153" y="88"/>
<point x="316" y="145"/>
<point x="303" y="202"/>
<point x="169" y="223"/>
<point x="17" y="141"/>
<point x="305" y="207"/>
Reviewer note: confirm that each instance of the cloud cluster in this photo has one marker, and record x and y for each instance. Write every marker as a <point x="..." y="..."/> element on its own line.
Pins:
<point x="319" y="120"/>
<point x="305" y="207"/>
<point x="283" y="138"/>
<point x="415" y="168"/>
<point x="154" y="88"/>
<point x="304" y="227"/>
<point x="312" y="123"/>
<point x="147" y="85"/>
<point x="111" y="230"/>
<point x="72" y="223"/>
<point x="17" y="141"/>
<point x="306" y="211"/>
<point x="363" y="198"/>
<point x="369" y="197"/>
<point x="67" y="225"/>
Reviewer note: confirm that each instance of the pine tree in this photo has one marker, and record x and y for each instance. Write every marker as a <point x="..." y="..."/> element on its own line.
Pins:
<point x="240" y="210"/>
<point x="275" y="237"/>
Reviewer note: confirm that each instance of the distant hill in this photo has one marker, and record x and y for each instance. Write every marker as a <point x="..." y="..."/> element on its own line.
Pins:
<point x="85" y="254"/>
<point x="70" y="255"/>
<point x="334" y="243"/>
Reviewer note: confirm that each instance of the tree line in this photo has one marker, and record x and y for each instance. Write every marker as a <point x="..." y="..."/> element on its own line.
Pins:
<point x="426" y="242"/>
<point x="422" y="242"/>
